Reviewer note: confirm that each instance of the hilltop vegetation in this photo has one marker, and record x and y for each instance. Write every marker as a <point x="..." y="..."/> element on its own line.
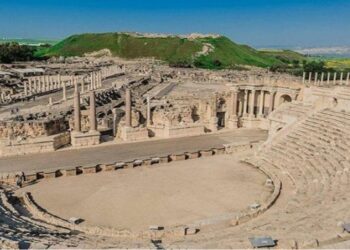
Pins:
<point x="10" y="52"/>
<point x="210" y="52"/>
<point x="177" y="51"/>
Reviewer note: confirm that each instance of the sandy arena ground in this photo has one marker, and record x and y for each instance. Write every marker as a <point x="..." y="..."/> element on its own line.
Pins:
<point x="171" y="194"/>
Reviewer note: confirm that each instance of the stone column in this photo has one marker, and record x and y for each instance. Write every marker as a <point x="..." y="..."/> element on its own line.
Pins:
<point x="30" y="86"/>
<point x="310" y="76"/>
<point x="328" y="77"/>
<point x="93" y="122"/>
<point x="347" y="78"/>
<point x="77" y="122"/>
<point x="261" y="106"/>
<point x="91" y="81"/>
<point x="245" y="105"/>
<point x="322" y="76"/>
<point x="25" y="89"/>
<point x="335" y="78"/>
<point x="316" y="78"/>
<point x="128" y="107"/>
<point x="114" y="112"/>
<point x="82" y="86"/>
<point x="100" y="79"/>
<point x="272" y="100"/>
<point x="233" y="118"/>
<point x="341" y="78"/>
<point x="149" y="121"/>
<point x="304" y="76"/>
<point x="64" y="89"/>
<point x="234" y="98"/>
<point x="252" y="103"/>
<point x="50" y="83"/>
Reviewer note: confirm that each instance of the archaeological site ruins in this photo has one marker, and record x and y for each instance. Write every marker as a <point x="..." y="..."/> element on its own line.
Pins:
<point x="111" y="153"/>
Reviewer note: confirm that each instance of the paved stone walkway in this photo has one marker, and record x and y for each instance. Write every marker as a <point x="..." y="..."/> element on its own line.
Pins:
<point x="125" y="151"/>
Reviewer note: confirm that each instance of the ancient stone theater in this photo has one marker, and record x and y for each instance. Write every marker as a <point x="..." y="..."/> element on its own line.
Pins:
<point x="109" y="153"/>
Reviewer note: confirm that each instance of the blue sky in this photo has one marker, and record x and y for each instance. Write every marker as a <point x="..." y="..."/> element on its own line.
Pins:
<point x="254" y="22"/>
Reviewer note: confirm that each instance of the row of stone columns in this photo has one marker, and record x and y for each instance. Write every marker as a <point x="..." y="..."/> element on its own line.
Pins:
<point x="77" y="112"/>
<point x="320" y="79"/>
<point x="251" y="93"/>
<point x="110" y="71"/>
<point x="95" y="80"/>
<point x="41" y="84"/>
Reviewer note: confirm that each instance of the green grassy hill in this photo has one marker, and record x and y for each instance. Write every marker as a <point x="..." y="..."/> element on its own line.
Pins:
<point x="286" y="56"/>
<point x="172" y="49"/>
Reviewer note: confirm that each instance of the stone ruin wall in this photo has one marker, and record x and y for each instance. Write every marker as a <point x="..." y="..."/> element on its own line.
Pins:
<point x="25" y="130"/>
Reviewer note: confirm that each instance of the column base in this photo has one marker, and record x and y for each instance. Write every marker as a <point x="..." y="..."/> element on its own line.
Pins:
<point x="133" y="134"/>
<point x="232" y="122"/>
<point x="79" y="139"/>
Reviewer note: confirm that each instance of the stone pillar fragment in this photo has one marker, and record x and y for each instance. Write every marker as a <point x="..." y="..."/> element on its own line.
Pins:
<point x="272" y="100"/>
<point x="149" y="121"/>
<point x="310" y="76"/>
<point x="316" y="78"/>
<point x="64" y="90"/>
<point x="252" y="103"/>
<point x="77" y="112"/>
<point x="91" y="81"/>
<point x="93" y="122"/>
<point x="128" y="107"/>
<point x="234" y="98"/>
<point x="261" y="106"/>
<point x="328" y="77"/>
<point x="25" y="89"/>
<point x="245" y="105"/>
<point x="341" y="78"/>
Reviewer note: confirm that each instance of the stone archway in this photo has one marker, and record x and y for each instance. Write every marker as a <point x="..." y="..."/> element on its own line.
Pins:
<point x="285" y="98"/>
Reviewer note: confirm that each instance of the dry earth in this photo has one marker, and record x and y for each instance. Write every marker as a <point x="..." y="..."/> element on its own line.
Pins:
<point x="171" y="194"/>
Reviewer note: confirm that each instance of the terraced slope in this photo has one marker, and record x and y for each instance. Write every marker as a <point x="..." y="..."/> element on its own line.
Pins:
<point x="311" y="161"/>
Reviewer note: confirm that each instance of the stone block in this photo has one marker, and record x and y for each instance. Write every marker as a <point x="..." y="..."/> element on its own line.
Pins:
<point x="147" y="162"/>
<point x="219" y="151"/>
<point x="164" y="159"/>
<point x="137" y="163"/>
<point x="48" y="175"/>
<point x="178" y="157"/>
<point x="155" y="160"/>
<point x="191" y="230"/>
<point x="108" y="167"/>
<point x="79" y="139"/>
<point x="206" y="153"/>
<point x="192" y="155"/>
<point x="70" y="172"/>
<point x="40" y="175"/>
<point x="30" y="177"/>
<point x="120" y="165"/>
<point x="89" y="169"/>
<point x="133" y="134"/>
<point x="129" y="164"/>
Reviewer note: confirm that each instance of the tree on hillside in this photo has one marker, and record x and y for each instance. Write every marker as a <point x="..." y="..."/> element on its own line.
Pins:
<point x="11" y="52"/>
<point x="314" y="66"/>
